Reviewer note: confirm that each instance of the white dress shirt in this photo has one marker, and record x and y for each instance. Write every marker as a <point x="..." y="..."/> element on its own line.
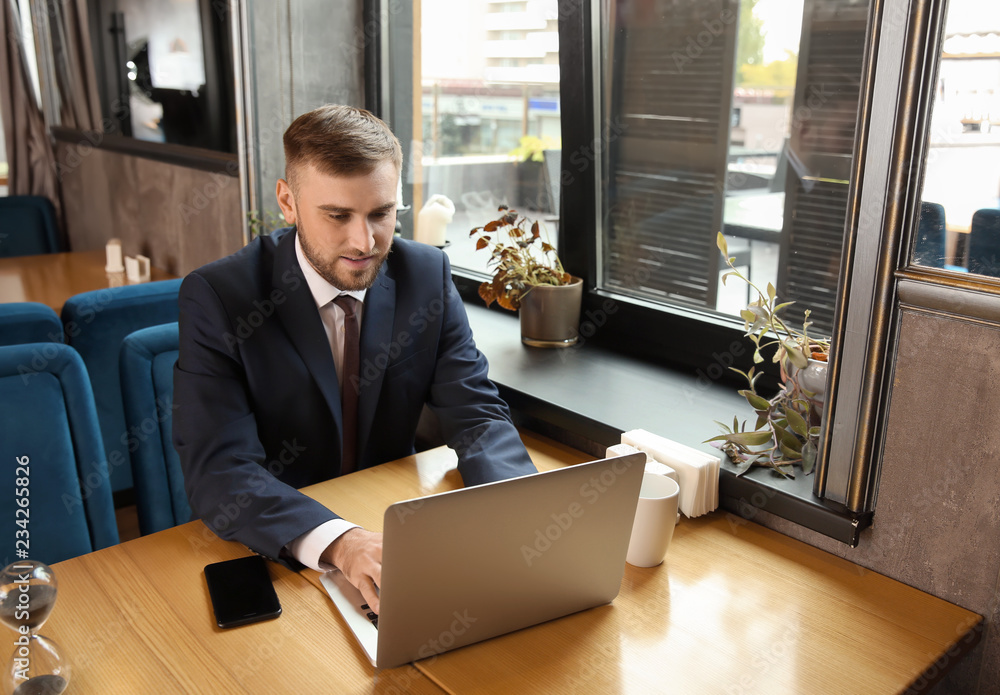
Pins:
<point x="308" y="547"/>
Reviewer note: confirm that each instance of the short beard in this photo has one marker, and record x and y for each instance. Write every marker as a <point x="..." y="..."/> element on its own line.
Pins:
<point x="349" y="281"/>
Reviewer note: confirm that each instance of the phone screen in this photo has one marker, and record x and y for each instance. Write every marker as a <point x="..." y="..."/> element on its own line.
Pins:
<point x="241" y="591"/>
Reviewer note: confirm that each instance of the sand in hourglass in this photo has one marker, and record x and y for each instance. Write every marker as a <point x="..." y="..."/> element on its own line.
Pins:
<point x="42" y="685"/>
<point x="41" y="598"/>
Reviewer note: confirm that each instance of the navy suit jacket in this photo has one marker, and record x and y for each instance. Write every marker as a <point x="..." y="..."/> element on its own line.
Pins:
<point x="258" y="404"/>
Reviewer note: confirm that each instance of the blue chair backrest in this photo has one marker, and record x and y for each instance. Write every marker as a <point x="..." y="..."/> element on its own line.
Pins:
<point x="29" y="322"/>
<point x="147" y="371"/>
<point x="96" y="323"/>
<point x="929" y="247"/>
<point x="984" y="243"/>
<point x="51" y="448"/>
<point x="27" y="226"/>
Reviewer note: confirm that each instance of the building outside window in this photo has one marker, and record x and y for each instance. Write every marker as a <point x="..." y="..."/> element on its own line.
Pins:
<point x="489" y="85"/>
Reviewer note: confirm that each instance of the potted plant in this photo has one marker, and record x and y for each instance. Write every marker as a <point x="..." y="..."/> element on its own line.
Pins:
<point x="787" y="429"/>
<point x="262" y="223"/>
<point x="529" y="277"/>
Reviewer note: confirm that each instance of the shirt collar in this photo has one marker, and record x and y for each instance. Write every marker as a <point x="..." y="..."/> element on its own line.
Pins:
<point x="322" y="291"/>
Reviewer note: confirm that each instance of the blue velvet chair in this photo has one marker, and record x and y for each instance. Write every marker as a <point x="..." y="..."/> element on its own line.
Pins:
<point x="96" y="323"/>
<point x="928" y="250"/>
<point x="27" y="226"/>
<point x="51" y="447"/>
<point x="147" y="372"/>
<point x="984" y="242"/>
<point x="29" y="322"/>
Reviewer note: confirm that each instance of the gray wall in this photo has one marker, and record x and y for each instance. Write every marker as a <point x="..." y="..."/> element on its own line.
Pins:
<point x="937" y="517"/>
<point x="304" y="53"/>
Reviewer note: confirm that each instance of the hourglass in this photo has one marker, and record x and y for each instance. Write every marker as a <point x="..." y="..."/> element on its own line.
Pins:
<point x="27" y="595"/>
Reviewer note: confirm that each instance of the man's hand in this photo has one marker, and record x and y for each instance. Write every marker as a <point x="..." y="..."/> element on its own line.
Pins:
<point x="358" y="554"/>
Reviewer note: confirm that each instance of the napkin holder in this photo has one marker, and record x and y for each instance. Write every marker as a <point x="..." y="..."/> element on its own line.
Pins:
<point x="697" y="471"/>
<point x="137" y="269"/>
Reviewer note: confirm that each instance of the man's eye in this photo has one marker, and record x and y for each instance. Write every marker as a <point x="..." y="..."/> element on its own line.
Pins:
<point x="340" y="218"/>
<point x="380" y="215"/>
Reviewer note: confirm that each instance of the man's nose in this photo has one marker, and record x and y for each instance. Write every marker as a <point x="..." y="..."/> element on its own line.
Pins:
<point x="360" y="235"/>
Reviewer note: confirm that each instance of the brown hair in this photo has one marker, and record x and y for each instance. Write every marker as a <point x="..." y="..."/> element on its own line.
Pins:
<point x="339" y="140"/>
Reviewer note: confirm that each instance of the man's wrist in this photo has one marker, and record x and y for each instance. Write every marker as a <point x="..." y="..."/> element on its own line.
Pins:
<point x="333" y="555"/>
<point x="310" y="547"/>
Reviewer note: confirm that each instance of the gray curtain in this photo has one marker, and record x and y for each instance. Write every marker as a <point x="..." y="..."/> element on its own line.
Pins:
<point x="73" y="63"/>
<point x="29" y="151"/>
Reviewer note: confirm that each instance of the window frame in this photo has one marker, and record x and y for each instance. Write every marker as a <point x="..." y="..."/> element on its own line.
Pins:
<point x="886" y="211"/>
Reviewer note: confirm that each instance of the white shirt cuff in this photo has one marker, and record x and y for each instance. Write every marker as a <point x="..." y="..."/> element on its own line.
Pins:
<point x="308" y="547"/>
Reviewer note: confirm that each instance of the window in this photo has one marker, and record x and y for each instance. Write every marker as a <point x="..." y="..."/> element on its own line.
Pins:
<point x="689" y="118"/>
<point x="486" y="127"/>
<point x="762" y="152"/>
<point x="959" y="220"/>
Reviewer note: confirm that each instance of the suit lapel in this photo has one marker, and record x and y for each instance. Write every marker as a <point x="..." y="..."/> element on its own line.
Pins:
<point x="303" y="325"/>
<point x="376" y="331"/>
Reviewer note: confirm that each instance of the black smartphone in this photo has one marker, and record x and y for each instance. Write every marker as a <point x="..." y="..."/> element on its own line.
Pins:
<point x="241" y="591"/>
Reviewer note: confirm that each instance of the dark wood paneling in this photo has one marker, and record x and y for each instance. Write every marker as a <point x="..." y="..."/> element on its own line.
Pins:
<point x="180" y="217"/>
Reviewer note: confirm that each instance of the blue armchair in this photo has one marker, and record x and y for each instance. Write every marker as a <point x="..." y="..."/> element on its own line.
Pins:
<point x="147" y="373"/>
<point x="29" y="322"/>
<point x="27" y="226"/>
<point x="96" y="324"/>
<point x="52" y="448"/>
<point x="984" y="242"/>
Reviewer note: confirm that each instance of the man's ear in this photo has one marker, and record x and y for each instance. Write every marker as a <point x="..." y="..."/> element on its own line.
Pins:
<point x="286" y="201"/>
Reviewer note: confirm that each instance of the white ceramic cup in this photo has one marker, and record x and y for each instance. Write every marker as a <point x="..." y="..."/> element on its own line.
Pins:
<point x="655" y="518"/>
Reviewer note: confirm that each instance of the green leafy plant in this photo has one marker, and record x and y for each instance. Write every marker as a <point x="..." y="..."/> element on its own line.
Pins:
<point x="262" y="223"/>
<point x="532" y="149"/>
<point x="520" y="258"/>
<point x="787" y="429"/>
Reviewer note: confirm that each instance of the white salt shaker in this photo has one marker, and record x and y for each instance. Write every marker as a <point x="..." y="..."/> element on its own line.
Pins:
<point x="113" y="250"/>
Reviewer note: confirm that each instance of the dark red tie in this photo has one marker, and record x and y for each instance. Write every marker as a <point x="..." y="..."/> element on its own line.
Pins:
<point x="351" y="381"/>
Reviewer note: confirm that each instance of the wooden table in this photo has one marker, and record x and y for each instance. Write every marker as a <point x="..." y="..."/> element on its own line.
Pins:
<point x="736" y="608"/>
<point x="136" y="618"/>
<point x="52" y="278"/>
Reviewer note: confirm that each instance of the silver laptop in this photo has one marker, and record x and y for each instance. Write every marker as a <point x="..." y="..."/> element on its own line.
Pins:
<point x="466" y="565"/>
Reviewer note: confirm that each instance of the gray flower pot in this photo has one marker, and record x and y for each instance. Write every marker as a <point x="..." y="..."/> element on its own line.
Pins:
<point x="550" y="315"/>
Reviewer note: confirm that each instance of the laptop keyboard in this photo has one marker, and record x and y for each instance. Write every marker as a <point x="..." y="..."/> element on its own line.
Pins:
<point x="373" y="617"/>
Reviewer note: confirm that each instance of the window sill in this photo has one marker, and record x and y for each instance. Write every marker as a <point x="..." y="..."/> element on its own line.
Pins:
<point x="586" y="396"/>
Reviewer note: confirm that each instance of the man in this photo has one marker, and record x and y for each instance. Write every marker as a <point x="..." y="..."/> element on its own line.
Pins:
<point x="264" y="381"/>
